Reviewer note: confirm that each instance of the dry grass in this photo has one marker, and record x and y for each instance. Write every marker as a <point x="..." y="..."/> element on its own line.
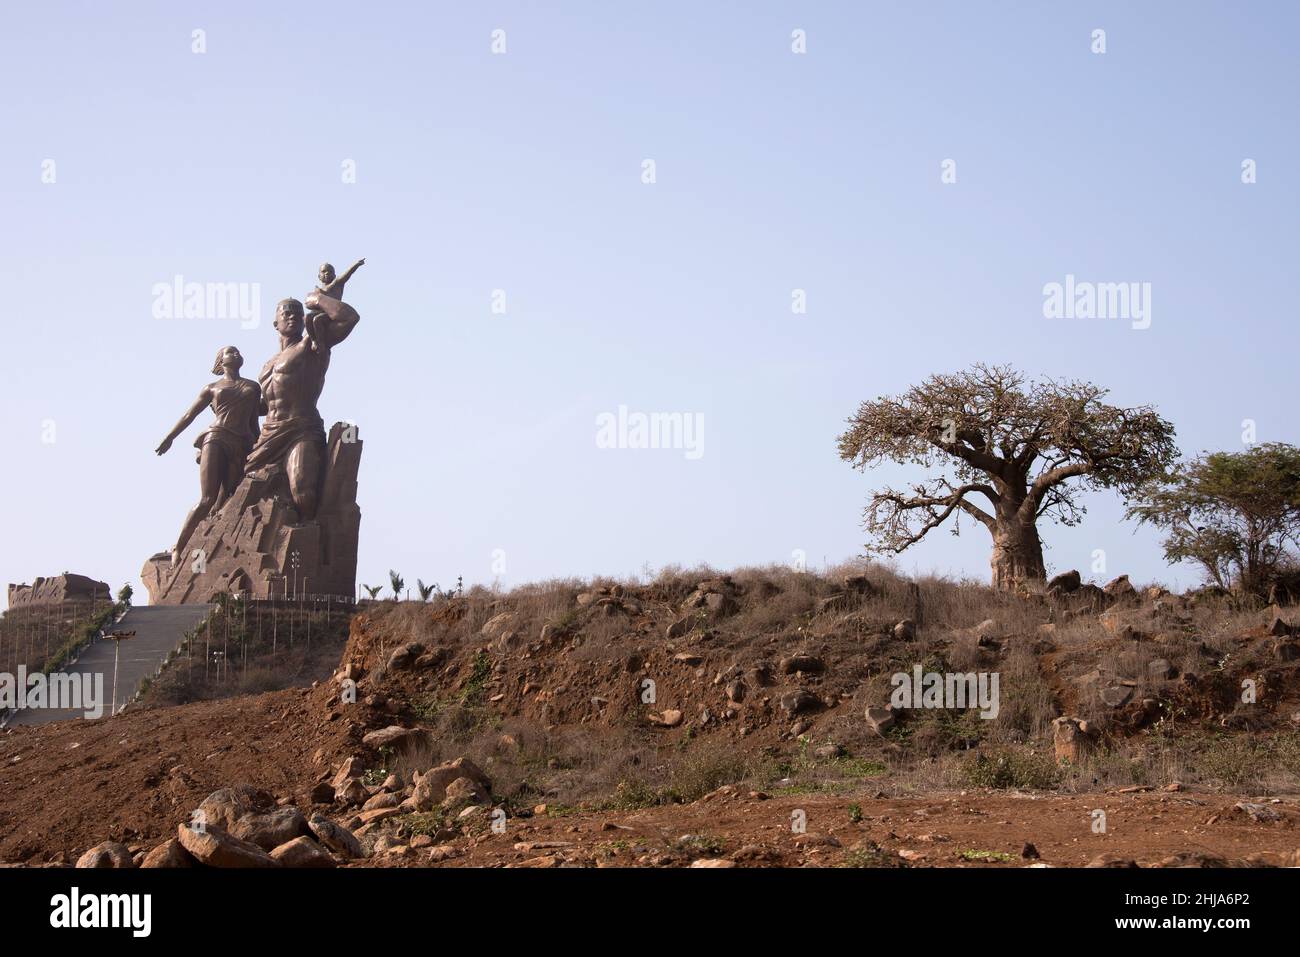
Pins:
<point x="566" y="750"/>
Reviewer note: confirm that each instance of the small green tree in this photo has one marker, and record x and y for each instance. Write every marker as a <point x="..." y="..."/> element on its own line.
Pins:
<point x="397" y="583"/>
<point x="124" y="594"/>
<point x="373" y="590"/>
<point x="426" y="591"/>
<point x="1232" y="513"/>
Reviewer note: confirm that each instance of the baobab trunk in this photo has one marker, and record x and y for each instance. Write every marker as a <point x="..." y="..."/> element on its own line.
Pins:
<point x="1017" y="554"/>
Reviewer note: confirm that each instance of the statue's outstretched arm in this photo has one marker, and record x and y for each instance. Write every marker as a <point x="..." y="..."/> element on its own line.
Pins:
<point x="347" y="273"/>
<point x="201" y="403"/>
<point x="340" y="318"/>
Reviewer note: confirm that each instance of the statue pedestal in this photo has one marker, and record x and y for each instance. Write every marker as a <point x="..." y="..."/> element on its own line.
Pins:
<point x="247" y="545"/>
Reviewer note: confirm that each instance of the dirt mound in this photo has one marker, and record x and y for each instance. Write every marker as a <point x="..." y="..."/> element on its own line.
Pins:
<point x="604" y="704"/>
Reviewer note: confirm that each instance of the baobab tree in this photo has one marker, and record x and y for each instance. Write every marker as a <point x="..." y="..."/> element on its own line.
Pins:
<point x="1012" y="453"/>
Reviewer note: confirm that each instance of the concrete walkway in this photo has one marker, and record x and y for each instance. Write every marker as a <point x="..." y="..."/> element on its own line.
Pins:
<point x="158" y="629"/>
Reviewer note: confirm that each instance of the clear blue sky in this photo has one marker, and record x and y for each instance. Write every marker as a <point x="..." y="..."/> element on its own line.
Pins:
<point x="522" y="172"/>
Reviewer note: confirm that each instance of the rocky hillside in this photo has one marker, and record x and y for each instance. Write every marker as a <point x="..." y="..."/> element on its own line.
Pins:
<point x="463" y="725"/>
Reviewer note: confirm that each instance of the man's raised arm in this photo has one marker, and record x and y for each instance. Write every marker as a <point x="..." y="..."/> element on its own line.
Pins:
<point x="341" y="318"/>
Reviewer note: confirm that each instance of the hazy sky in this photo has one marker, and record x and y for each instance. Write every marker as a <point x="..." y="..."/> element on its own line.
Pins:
<point x="522" y="172"/>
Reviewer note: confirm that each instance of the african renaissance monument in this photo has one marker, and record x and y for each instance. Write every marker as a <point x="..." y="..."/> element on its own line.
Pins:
<point x="278" y="510"/>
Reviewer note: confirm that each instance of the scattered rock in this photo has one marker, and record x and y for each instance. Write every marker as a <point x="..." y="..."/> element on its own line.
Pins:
<point x="215" y="847"/>
<point x="1259" y="813"/>
<point x="321" y="793"/>
<point x="1120" y="589"/>
<point x="109" y="854"/>
<point x="1065" y="583"/>
<point x="880" y="720"/>
<point x="168" y="854"/>
<point x="905" y="630"/>
<point x="668" y="719"/>
<point x="680" y="627"/>
<point x="336" y="837"/>
<point x="1070" y="740"/>
<point x="800" y="701"/>
<point x="497" y="624"/>
<point x="1116" y="696"/>
<point x="394" y="736"/>
<point x="802" y="662"/>
<point x="462" y="791"/>
<point x="404" y="656"/>
<point x="351" y="792"/>
<point x="1280" y="628"/>
<point x="302" y="852"/>
<point x="1160" y="669"/>
<point x="271" y="829"/>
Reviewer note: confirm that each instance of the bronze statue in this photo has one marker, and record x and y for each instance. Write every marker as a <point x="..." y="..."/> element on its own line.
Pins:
<point x="293" y="434"/>
<point x="282" y="496"/>
<point x="330" y="286"/>
<point x="236" y="402"/>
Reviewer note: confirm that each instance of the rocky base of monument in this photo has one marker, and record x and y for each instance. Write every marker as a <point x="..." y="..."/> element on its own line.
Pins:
<point x="257" y="545"/>
<point x="58" y="589"/>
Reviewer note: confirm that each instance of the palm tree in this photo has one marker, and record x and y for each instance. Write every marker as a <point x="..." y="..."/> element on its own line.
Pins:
<point x="425" y="590"/>
<point x="373" y="590"/>
<point x="397" y="583"/>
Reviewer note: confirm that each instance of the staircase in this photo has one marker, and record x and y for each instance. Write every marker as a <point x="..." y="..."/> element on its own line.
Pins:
<point x="158" y="630"/>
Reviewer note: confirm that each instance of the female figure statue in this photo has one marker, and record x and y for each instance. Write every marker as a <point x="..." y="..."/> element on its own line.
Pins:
<point x="236" y="402"/>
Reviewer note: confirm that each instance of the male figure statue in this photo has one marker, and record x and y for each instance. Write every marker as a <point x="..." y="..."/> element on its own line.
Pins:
<point x="293" y="434"/>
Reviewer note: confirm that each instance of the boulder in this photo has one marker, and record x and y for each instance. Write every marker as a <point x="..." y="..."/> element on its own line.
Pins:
<point x="1070" y="740"/>
<point x="1160" y="669"/>
<point x="215" y="847"/>
<point x="351" y="768"/>
<point x="497" y="624"/>
<point x="431" y="787"/>
<point x="225" y="806"/>
<point x="905" y="630"/>
<point x="858" y="585"/>
<point x="800" y="701"/>
<point x="336" y="837"/>
<point x="271" y="829"/>
<point x="680" y="627"/>
<point x="109" y="854"/>
<point x="802" y="662"/>
<point x="880" y="720"/>
<point x="1120" y="589"/>
<point x="321" y="793"/>
<point x="302" y="852"/>
<point x="464" y="791"/>
<point x="405" y="656"/>
<point x="168" y="854"/>
<point x="396" y="737"/>
<point x="1116" y="696"/>
<point x="380" y="800"/>
<point x="351" y="792"/>
<point x="1065" y="583"/>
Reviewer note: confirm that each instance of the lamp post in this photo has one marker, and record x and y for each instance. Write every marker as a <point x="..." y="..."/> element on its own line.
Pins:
<point x="117" y="638"/>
